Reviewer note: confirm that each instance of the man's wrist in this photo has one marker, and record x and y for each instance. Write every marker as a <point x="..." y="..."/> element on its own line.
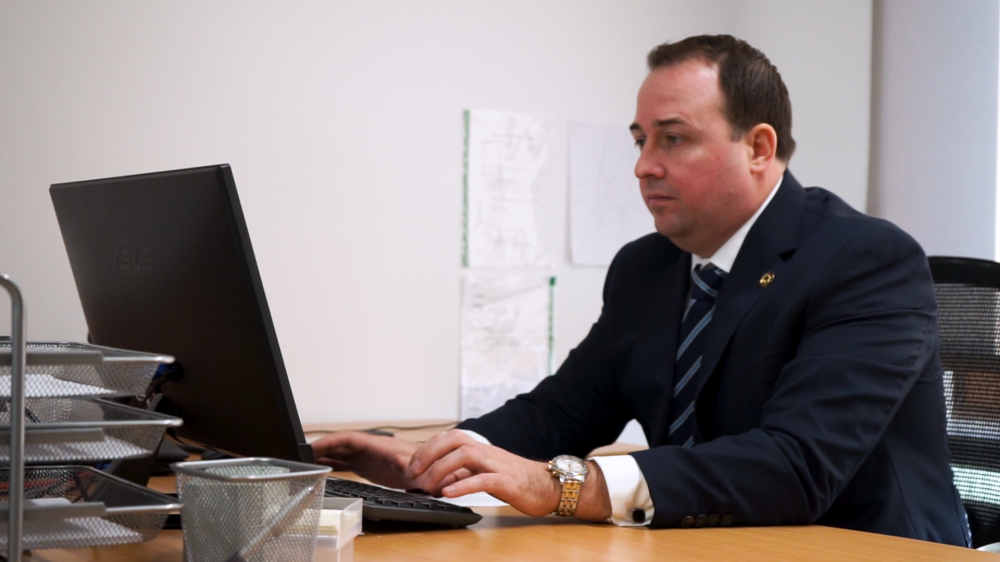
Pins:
<point x="555" y="494"/>
<point x="594" y="503"/>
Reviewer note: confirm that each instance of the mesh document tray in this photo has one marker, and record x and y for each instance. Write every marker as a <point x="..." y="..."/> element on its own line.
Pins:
<point x="56" y="369"/>
<point x="76" y="506"/>
<point x="968" y="294"/>
<point x="59" y="430"/>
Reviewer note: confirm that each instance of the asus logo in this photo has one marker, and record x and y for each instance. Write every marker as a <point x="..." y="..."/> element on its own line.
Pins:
<point x="132" y="258"/>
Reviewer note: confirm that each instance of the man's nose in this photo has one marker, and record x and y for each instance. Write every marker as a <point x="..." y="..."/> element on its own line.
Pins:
<point x="648" y="166"/>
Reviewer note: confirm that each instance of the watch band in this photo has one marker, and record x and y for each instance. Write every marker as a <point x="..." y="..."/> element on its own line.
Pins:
<point x="570" y="497"/>
<point x="571" y="472"/>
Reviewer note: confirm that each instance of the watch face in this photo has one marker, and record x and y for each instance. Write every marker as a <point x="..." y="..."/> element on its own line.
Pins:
<point x="568" y="464"/>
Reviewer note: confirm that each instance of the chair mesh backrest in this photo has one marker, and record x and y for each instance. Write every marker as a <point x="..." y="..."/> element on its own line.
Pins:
<point x="968" y="295"/>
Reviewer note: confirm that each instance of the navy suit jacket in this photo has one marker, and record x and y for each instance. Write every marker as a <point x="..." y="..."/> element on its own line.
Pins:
<point x="820" y="394"/>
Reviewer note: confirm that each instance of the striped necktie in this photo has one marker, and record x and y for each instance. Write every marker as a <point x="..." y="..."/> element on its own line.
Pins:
<point x="706" y="284"/>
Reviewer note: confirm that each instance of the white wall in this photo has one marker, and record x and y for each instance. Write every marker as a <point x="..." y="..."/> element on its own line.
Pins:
<point x="934" y="122"/>
<point x="823" y="51"/>
<point x="343" y="123"/>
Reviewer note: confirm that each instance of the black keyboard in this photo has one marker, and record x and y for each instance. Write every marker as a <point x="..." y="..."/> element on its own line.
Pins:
<point x="389" y="505"/>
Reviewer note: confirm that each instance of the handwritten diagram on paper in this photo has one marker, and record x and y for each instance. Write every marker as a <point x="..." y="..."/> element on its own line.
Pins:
<point x="606" y="208"/>
<point x="506" y="338"/>
<point x="509" y="199"/>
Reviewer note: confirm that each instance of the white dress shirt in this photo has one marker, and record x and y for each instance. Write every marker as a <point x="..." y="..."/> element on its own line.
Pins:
<point x="626" y="484"/>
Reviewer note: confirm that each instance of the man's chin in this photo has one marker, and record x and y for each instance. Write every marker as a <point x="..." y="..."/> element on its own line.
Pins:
<point x="670" y="229"/>
<point x="677" y="234"/>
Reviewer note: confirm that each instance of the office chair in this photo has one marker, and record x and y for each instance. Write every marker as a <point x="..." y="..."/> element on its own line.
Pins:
<point x="968" y="296"/>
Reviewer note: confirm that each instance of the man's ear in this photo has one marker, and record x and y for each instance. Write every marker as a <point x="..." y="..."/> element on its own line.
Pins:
<point x="762" y="144"/>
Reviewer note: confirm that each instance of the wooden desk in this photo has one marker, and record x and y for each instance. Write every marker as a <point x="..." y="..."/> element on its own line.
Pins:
<point x="505" y="534"/>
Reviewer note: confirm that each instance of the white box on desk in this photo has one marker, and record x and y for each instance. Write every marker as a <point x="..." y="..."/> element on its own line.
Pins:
<point x="339" y="523"/>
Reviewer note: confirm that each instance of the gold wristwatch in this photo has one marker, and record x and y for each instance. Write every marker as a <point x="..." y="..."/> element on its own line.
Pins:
<point x="571" y="472"/>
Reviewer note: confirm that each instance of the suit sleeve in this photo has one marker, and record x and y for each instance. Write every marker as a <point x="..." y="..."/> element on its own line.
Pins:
<point x="868" y="332"/>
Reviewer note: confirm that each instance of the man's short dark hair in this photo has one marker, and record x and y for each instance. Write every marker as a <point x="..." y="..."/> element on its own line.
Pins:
<point x="752" y="89"/>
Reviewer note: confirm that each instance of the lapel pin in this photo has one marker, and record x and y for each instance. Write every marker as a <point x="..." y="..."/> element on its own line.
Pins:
<point x="766" y="279"/>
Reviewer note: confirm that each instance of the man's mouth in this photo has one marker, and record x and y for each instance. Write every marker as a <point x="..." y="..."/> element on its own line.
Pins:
<point x="658" y="197"/>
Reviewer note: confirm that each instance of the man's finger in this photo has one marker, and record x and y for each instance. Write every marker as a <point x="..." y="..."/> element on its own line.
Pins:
<point x="494" y="484"/>
<point x="518" y="492"/>
<point x="333" y="463"/>
<point x="435" y="448"/>
<point x="334" y="441"/>
<point x="470" y="458"/>
<point x="459" y="474"/>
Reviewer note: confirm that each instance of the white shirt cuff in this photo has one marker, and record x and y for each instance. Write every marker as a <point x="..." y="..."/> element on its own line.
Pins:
<point x="628" y="490"/>
<point x="476" y="436"/>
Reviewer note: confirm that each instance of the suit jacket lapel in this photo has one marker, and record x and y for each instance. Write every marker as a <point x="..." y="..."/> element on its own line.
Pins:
<point x="776" y="232"/>
<point x="655" y="349"/>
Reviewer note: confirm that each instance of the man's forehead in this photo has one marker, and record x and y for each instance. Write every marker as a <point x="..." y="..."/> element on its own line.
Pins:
<point x="677" y="93"/>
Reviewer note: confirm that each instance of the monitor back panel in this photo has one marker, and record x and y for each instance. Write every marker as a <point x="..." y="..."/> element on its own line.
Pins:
<point x="163" y="263"/>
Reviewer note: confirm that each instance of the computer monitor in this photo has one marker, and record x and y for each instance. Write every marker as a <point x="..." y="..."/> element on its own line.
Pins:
<point x="163" y="263"/>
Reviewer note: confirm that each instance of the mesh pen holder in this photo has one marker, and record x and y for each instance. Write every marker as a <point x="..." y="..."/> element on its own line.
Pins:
<point x="250" y="510"/>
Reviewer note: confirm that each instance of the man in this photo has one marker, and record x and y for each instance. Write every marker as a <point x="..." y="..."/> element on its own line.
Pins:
<point x="778" y="348"/>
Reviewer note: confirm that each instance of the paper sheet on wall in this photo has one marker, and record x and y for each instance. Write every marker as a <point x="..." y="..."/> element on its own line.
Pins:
<point x="506" y="338"/>
<point x="606" y="208"/>
<point x="509" y="196"/>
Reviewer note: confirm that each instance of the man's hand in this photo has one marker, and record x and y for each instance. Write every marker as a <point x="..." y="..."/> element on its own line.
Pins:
<point x="382" y="460"/>
<point x="453" y="464"/>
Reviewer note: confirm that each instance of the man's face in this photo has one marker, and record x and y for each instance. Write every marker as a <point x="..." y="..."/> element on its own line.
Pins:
<point x="695" y="179"/>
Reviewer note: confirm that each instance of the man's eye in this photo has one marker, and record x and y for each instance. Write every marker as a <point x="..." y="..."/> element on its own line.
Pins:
<point x="672" y="140"/>
<point x="639" y="143"/>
